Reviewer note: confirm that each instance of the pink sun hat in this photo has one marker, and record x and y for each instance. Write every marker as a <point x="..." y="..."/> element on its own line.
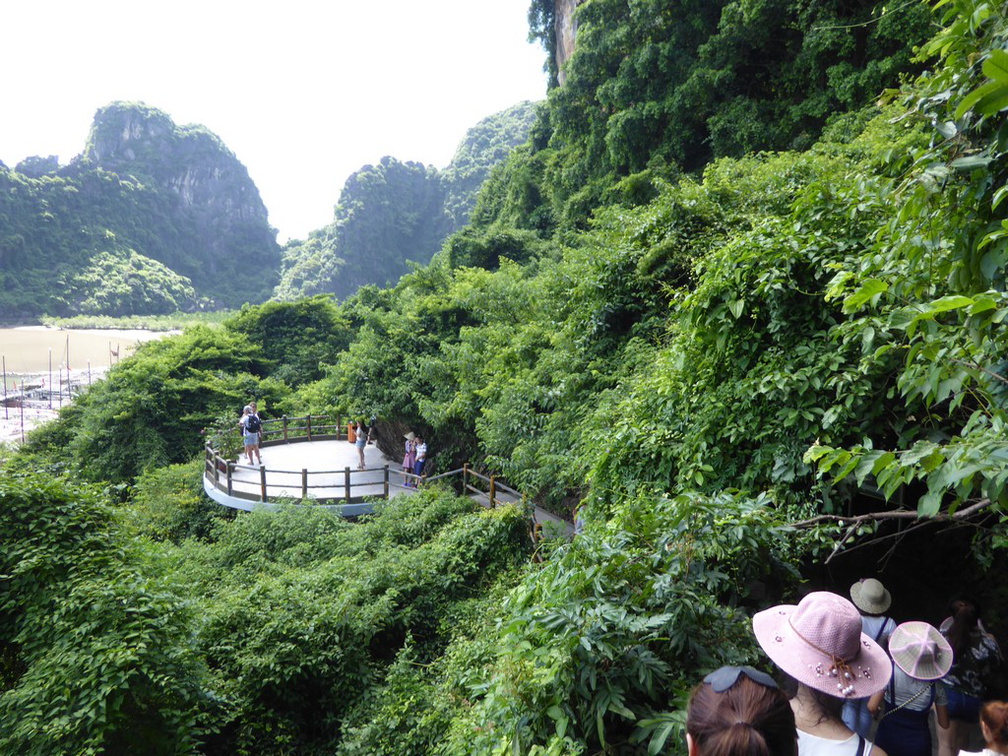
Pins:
<point x="920" y="651"/>
<point x="820" y="644"/>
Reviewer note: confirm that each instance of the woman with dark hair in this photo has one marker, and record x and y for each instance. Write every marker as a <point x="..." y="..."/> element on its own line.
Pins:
<point x="994" y="725"/>
<point x="740" y="711"/>
<point x="975" y="654"/>
<point x="820" y="645"/>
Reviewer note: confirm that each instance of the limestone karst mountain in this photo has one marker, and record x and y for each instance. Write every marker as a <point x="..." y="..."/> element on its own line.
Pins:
<point x="395" y="212"/>
<point x="150" y="217"/>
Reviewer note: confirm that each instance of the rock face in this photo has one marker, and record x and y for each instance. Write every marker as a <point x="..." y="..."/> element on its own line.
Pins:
<point x="565" y="28"/>
<point x="216" y="205"/>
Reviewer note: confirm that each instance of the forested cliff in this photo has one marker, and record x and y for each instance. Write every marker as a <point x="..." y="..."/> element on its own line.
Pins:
<point x="395" y="213"/>
<point x="150" y="218"/>
<point x="154" y="218"/>
<point x="745" y="357"/>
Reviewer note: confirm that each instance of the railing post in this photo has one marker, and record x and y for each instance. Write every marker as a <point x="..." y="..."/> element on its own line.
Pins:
<point x="493" y="491"/>
<point x="230" y="478"/>
<point x="465" y="478"/>
<point x="285" y="427"/>
<point x="304" y="483"/>
<point x="386" y="481"/>
<point x="308" y="425"/>
<point x="262" y="480"/>
<point x="346" y="480"/>
<point x="216" y="471"/>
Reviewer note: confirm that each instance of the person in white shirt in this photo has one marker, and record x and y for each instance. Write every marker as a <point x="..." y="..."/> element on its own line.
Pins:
<point x="421" y="457"/>
<point x="819" y="644"/>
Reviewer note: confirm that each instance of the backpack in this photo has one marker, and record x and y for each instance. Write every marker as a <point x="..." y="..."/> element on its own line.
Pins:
<point x="253" y="424"/>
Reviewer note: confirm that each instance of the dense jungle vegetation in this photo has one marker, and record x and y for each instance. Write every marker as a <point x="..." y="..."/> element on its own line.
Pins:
<point x="794" y="353"/>
<point x="151" y="218"/>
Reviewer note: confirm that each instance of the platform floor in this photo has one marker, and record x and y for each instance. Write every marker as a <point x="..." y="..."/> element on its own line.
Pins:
<point x="328" y="465"/>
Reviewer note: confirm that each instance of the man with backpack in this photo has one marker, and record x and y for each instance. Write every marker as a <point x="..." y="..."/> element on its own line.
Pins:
<point x="251" y="428"/>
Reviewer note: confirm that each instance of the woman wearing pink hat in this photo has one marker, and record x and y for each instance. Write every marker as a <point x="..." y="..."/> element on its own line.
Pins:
<point x="920" y="656"/>
<point x="819" y="643"/>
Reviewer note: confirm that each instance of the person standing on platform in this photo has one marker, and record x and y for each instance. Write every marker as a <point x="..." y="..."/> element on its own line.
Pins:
<point x="247" y="439"/>
<point x="421" y="458"/>
<point x="361" y="442"/>
<point x="409" y="458"/>
<point x="253" y="432"/>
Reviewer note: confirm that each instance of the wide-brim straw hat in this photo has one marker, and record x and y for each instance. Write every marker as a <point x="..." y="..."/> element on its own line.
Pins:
<point x="410" y="436"/>
<point x="870" y="596"/>
<point x="920" y="650"/>
<point x="820" y="644"/>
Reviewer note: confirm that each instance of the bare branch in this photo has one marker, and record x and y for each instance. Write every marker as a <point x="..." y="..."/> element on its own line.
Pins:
<point x="895" y="514"/>
<point x="975" y="366"/>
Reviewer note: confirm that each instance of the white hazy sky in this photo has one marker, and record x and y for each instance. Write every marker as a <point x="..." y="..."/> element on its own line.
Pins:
<point x="304" y="92"/>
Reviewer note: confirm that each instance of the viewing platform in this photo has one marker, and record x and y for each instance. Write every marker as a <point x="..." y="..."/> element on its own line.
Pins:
<point x="311" y="461"/>
<point x="305" y="460"/>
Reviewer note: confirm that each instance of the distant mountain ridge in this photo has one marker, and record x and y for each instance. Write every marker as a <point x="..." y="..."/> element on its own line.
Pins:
<point x="397" y="212"/>
<point x="151" y="217"/>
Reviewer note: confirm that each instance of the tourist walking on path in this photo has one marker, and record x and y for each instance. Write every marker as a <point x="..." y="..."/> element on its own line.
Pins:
<point x="421" y="458"/>
<point x="921" y="656"/>
<point x="739" y="711"/>
<point x="820" y="645"/>
<point x="994" y="726"/>
<point x="975" y="657"/>
<point x="361" y="442"/>
<point x="409" y="458"/>
<point x="872" y="601"/>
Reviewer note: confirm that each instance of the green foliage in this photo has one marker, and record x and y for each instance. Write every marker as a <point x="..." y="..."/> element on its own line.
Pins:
<point x="174" y="321"/>
<point x="387" y="214"/>
<point x="299" y="337"/>
<point x="931" y="296"/>
<point x="657" y="85"/>
<point x="303" y="613"/>
<point x="395" y="213"/>
<point x="168" y="504"/>
<point x="151" y="409"/>
<point x="123" y="283"/>
<point x="699" y="359"/>
<point x="586" y="650"/>
<point x="484" y="146"/>
<point x="479" y="248"/>
<point x="96" y="655"/>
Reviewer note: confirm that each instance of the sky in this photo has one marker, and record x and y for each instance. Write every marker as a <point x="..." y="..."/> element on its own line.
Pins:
<point x="304" y="92"/>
